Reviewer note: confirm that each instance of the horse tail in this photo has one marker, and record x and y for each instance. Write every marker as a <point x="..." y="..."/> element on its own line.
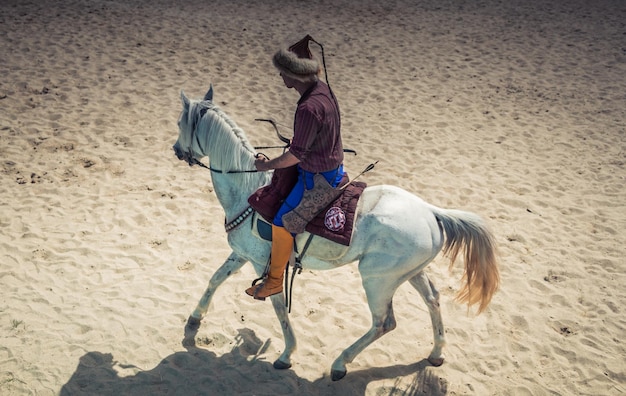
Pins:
<point x="467" y="234"/>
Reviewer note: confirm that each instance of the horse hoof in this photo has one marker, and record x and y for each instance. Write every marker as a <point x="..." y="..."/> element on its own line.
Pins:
<point x="336" y="375"/>
<point x="278" y="365"/>
<point x="193" y="324"/>
<point x="436" y="361"/>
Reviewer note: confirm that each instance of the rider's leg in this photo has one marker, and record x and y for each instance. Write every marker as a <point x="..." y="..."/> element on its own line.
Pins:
<point x="282" y="245"/>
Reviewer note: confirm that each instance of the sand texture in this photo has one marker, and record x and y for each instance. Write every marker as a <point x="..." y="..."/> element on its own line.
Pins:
<point x="514" y="110"/>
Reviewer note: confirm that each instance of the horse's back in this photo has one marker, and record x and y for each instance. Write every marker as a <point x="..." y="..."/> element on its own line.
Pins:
<point x="387" y="202"/>
<point x="390" y="219"/>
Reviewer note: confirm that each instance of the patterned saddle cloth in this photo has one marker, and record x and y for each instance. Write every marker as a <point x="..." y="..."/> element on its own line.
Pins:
<point x="335" y="222"/>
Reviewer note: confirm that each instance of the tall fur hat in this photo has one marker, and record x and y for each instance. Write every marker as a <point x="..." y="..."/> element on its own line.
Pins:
<point x="297" y="61"/>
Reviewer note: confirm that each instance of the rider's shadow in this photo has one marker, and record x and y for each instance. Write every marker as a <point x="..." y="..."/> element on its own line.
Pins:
<point x="199" y="371"/>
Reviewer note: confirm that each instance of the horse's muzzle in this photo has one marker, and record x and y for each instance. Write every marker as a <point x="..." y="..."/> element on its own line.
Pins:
<point x="184" y="156"/>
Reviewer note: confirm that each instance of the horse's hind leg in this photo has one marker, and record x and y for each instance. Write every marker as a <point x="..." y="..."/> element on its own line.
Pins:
<point x="379" y="295"/>
<point x="431" y="297"/>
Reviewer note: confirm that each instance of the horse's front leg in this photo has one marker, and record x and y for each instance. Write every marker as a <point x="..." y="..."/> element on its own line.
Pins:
<point x="230" y="266"/>
<point x="431" y="297"/>
<point x="284" y="361"/>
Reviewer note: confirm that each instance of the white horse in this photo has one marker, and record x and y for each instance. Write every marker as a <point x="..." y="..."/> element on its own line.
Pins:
<point x="396" y="235"/>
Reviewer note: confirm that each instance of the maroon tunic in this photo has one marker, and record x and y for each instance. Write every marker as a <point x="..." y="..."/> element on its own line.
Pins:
<point x="317" y="131"/>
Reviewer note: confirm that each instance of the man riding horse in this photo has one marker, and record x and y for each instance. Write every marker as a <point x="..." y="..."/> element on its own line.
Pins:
<point x="316" y="148"/>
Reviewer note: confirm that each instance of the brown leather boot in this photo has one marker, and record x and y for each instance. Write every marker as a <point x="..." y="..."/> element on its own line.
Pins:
<point x="282" y="245"/>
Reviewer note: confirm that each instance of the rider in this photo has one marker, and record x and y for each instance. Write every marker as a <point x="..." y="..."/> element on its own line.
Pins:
<point x="316" y="148"/>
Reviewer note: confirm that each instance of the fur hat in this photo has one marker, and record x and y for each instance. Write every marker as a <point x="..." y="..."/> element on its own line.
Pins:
<point x="297" y="61"/>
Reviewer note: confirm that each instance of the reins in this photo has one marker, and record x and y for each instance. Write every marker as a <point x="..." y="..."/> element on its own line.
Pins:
<point x="191" y="160"/>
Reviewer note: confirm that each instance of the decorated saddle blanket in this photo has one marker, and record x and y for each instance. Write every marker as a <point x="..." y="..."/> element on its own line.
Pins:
<point x="335" y="222"/>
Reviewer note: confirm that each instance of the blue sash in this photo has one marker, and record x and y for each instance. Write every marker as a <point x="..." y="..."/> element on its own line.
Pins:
<point x="333" y="177"/>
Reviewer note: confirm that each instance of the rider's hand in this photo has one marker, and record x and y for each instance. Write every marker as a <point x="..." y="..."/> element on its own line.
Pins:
<point x="262" y="164"/>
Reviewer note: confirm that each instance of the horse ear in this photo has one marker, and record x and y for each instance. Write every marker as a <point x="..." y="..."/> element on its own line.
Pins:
<point x="209" y="95"/>
<point x="184" y="98"/>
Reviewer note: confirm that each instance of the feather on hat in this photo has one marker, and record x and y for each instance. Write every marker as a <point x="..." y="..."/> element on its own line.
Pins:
<point x="297" y="61"/>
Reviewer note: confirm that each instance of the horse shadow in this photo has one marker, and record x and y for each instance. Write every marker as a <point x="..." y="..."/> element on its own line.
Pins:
<point x="198" y="371"/>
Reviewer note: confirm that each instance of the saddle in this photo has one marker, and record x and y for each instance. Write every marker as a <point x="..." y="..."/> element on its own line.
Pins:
<point x="334" y="222"/>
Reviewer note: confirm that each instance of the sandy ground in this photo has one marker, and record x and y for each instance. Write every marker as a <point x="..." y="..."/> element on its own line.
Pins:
<point x="514" y="110"/>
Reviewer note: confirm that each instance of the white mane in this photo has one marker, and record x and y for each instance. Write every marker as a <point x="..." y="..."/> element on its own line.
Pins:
<point x="223" y="141"/>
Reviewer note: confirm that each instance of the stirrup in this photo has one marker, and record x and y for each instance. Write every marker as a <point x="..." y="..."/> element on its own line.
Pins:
<point x="251" y="291"/>
<point x="254" y="290"/>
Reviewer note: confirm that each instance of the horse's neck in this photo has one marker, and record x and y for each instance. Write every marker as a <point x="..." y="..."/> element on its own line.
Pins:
<point x="233" y="194"/>
<point x="230" y="153"/>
